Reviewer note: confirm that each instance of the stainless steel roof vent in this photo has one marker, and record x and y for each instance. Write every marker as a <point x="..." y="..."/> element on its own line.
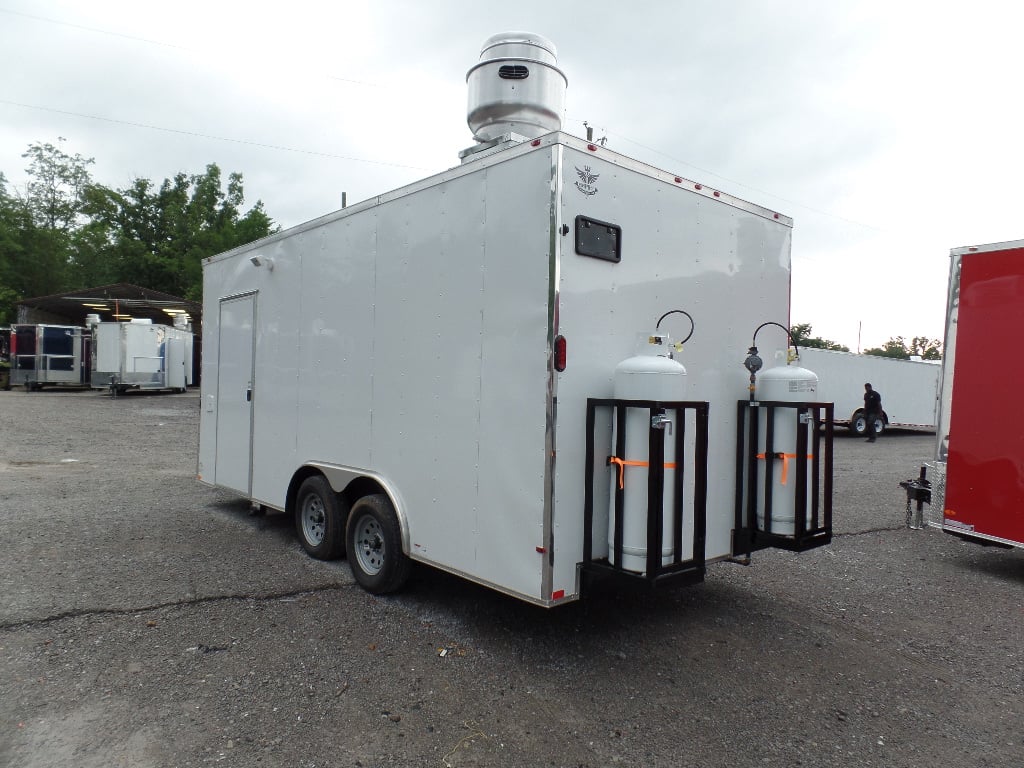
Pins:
<point x="515" y="88"/>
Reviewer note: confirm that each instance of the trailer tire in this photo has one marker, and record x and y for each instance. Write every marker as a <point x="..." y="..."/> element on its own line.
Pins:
<point x="859" y="424"/>
<point x="374" y="541"/>
<point x="320" y="519"/>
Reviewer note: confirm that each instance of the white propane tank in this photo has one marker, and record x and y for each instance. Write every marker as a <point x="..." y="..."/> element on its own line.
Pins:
<point x="792" y="384"/>
<point x="651" y="374"/>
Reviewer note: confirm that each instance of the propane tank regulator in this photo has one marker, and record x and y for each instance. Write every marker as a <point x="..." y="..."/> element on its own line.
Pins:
<point x="754" y="363"/>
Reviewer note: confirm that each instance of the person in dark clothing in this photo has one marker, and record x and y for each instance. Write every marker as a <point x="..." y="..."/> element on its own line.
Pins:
<point x="872" y="410"/>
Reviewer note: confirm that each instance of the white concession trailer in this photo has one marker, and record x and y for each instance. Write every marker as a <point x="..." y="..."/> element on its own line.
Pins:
<point x="909" y="388"/>
<point x="431" y="375"/>
<point x="140" y="354"/>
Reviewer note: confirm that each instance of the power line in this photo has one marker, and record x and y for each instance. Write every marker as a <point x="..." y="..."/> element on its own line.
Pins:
<point x="181" y="132"/>
<point x="315" y="153"/>
<point x="93" y="29"/>
<point x="148" y="41"/>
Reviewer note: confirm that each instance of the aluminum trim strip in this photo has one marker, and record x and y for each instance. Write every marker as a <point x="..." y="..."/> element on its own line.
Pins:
<point x="551" y="407"/>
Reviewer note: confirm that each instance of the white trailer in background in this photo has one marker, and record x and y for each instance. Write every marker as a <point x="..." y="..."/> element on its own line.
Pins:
<point x="140" y="354"/>
<point x="909" y="388"/>
<point x="430" y="375"/>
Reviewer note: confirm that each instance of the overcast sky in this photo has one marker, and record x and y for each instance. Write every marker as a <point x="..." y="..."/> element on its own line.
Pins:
<point x="890" y="131"/>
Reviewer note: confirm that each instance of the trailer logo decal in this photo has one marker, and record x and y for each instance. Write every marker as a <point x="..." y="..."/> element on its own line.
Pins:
<point x="586" y="183"/>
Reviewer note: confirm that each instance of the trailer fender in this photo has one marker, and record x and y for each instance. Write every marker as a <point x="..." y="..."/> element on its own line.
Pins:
<point x="354" y="483"/>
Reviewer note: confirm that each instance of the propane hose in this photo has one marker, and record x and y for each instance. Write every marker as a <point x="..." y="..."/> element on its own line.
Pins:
<point x="677" y="312"/>
<point x="780" y="325"/>
<point x="753" y="362"/>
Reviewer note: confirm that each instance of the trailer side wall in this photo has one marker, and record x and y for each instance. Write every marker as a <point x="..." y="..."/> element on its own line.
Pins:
<point x="985" y="462"/>
<point x="406" y="341"/>
<point x="909" y="388"/>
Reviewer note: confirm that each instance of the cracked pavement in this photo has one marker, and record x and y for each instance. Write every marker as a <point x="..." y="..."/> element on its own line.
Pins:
<point x="148" y="620"/>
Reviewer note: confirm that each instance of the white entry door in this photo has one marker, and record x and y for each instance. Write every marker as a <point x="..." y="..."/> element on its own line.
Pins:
<point x="236" y="346"/>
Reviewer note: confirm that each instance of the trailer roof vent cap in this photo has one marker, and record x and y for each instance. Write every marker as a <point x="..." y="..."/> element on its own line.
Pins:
<point x="515" y="88"/>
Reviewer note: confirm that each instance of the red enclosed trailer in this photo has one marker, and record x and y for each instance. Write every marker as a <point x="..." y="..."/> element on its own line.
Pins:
<point x="981" y="418"/>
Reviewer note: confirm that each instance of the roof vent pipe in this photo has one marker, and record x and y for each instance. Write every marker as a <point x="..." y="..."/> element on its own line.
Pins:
<point x="515" y="88"/>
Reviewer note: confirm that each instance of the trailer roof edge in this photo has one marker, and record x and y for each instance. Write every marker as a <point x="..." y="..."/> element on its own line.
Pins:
<point x="987" y="247"/>
<point x="547" y="140"/>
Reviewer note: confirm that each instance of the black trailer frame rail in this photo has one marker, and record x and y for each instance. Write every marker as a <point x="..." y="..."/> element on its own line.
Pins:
<point x="811" y="528"/>
<point x="691" y="454"/>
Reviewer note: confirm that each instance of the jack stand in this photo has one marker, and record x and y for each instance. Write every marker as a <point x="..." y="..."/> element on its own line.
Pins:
<point x="920" y="491"/>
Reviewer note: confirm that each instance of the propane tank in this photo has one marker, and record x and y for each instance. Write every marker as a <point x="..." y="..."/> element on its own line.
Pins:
<point x="651" y="374"/>
<point x="793" y="384"/>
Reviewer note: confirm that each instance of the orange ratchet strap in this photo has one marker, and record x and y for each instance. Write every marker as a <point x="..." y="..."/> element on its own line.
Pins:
<point x="785" y="462"/>
<point x="623" y="463"/>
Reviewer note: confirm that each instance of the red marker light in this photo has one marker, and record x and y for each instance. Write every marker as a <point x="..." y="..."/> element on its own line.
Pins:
<point x="535" y="143"/>
<point x="592" y="147"/>
<point x="558" y="594"/>
<point x="717" y="193"/>
<point x="560" y="353"/>
<point x="776" y="215"/>
<point x="697" y="186"/>
<point x="678" y="180"/>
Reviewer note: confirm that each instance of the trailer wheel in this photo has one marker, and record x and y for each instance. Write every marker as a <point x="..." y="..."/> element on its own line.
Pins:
<point x="859" y="424"/>
<point x="375" y="546"/>
<point x="320" y="519"/>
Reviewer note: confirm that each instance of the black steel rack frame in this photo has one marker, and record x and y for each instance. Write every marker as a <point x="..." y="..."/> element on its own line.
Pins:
<point x="691" y="453"/>
<point x="814" y="439"/>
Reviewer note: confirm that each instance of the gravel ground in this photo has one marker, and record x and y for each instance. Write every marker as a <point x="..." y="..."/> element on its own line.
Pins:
<point x="148" y="620"/>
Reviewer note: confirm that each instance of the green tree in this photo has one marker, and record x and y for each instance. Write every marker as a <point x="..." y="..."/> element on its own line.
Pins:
<point x="897" y="347"/>
<point x="68" y="230"/>
<point x="11" y="251"/>
<point x="928" y="349"/>
<point x="37" y="229"/>
<point x="31" y="257"/>
<point x="801" y="333"/>
<point x="158" y="238"/>
<point x="57" y="183"/>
